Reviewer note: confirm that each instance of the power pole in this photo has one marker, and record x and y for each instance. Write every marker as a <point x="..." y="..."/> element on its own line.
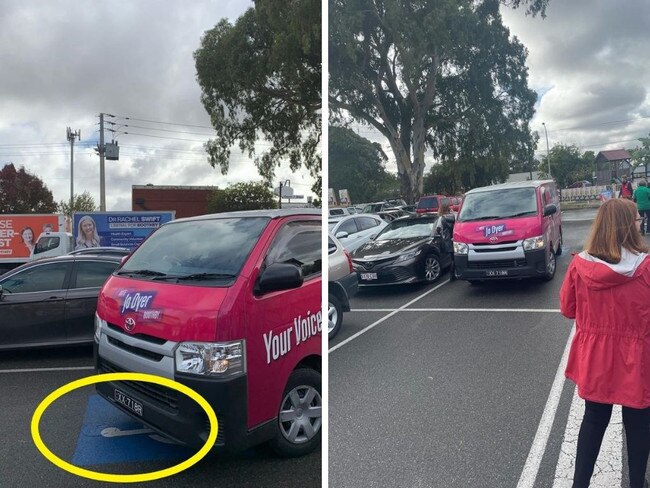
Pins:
<point x="102" y="152"/>
<point x="71" y="137"/>
<point x="280" y="197"/>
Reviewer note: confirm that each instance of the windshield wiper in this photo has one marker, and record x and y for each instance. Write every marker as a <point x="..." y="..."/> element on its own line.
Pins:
<point x="203" y="276"/>
<point x="488" y="217"/>
<point x="521" y="213"/>
<point x="143" y="272"/>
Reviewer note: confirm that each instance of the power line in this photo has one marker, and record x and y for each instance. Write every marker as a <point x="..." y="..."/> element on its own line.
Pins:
<point x="164" y="123"/>
<point x="164" y="130"/>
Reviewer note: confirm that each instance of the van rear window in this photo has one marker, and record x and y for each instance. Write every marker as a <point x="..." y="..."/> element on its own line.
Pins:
<point x="428" y="202"/>
<point x="209" y="252"/>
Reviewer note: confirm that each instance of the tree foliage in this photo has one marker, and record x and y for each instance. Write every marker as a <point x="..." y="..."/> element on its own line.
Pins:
<point x="444" y="76"/>
<point x="358" y="165"/>
<point x="242" y="196"/>
<point x="262" y="75"/>
<point x="23" y="193"/>
<point x="641" y="155"/>
<point x="80" y="203"/>
<point x="568" y="165"/>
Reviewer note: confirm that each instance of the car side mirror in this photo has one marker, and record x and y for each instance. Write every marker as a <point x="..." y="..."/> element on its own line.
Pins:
<point x="342" y="235"/>
<point x="550" y="209"/>
<point x="280" y="276"/>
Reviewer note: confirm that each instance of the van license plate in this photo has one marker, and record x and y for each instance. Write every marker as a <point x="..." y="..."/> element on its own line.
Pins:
<point x="498" y="272"/>
<point x="368" y="276"/>
<point x="128" y="402"/>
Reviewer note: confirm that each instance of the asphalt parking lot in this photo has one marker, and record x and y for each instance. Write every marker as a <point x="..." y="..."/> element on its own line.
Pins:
<point x="82" y="429"/>
<point x="459" y="385"/>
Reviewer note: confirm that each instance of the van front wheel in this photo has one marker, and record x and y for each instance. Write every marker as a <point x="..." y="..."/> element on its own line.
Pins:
<point x="550" y="266"/>
<point x="298" y="426"/>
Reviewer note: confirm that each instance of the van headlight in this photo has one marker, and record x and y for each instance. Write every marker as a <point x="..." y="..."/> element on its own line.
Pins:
<point x="460" y="248"/>
<point x="98" y="327"/>
<point x="211" y="358"/>
<point x="533" y="243"/>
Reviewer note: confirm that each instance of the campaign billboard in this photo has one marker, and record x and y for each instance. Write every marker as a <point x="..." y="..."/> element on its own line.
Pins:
<point x="116" y="229"/>
<point x="19" y="233"/>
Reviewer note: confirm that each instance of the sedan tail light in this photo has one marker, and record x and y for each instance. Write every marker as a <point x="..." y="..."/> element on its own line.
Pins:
<point x="347" y="255"/>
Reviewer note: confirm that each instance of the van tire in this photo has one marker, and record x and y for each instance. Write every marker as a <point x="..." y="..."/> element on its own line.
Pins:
<point x="334" y="311"/>
<point x="550" y="273"/>
<point x="559" y="246"/>
<point x="303" y="383"/>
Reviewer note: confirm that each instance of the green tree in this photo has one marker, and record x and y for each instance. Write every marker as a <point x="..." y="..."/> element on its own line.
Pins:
<point x="22" y="192"/>
<point x="568" y="165"/>
<point x="641" y="155"/>
<point x="262" y="75"/>
<point x="81" y="203"/>
<point x="358" y="165"/>
<point x="242" y="196"/>
<point x="443" y="75"/>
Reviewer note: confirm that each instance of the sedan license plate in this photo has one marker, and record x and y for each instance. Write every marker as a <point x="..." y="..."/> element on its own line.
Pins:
<point x="128" y="402"/>
<point x="368" y="276"/>
<point x="498" y="272"/>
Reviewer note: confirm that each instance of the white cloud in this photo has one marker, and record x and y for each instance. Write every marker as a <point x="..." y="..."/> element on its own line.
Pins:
<point x="63" y="62"/>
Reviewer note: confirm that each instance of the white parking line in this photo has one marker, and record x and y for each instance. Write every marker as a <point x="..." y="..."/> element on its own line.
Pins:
<point x="534" y="459"/>
<point x="374" y="324"/>
<point x="527" y="310"/>
<point x="41" y="370"/>
<point x="608" y="472"/>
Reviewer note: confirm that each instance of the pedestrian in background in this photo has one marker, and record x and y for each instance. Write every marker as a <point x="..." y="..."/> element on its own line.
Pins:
<point x="626" y="188"/>
<point x="642" y="198"/>
<point x="606" y="291"/>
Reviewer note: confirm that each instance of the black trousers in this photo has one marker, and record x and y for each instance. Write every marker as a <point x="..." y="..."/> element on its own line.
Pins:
<point x="645" y="225"/>
<point x="592" y="430"/>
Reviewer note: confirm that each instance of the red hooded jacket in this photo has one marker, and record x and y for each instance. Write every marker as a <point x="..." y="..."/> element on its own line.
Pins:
<point x="609" y="358"/>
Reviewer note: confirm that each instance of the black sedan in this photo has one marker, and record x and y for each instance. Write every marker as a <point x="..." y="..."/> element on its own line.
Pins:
<point x="408" y="250"/>
<point x="52" y="301"/>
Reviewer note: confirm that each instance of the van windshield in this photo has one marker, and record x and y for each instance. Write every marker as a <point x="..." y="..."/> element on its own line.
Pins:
<point x="207" y="252"/>
<point x="498" y="204"/>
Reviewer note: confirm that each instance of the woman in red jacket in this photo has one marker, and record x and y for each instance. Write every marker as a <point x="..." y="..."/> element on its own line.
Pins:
<point x="607" y="291"/>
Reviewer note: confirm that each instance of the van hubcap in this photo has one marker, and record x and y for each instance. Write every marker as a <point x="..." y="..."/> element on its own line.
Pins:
<point x="550" y="267"/>
<point x="332" y="317"/>
<point x="300" y="415"/>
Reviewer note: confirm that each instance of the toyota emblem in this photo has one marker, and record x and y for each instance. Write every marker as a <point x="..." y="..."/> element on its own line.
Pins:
<point x="494" y="239"/>
<point x="129" y="324"/>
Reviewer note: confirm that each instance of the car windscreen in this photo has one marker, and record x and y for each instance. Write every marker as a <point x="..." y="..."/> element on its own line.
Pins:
<point x="407" y="229"/>
<point x="210" y="252"/>
<point x="428" y="202"/>
<point x="498" y="204"/>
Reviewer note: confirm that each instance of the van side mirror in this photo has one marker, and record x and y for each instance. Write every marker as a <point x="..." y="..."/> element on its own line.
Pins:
<point x="550" y="209"/>
<point x="279" y="276"/>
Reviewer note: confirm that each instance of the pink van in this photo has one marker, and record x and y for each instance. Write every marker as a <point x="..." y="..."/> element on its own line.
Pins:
<point x="512" y="230"/>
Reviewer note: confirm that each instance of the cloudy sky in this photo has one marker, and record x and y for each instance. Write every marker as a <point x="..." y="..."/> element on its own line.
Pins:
<point x="589" y="64"/>
<point x="64" y="62"/>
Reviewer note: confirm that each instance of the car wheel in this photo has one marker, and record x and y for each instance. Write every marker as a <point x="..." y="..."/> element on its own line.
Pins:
<point x="432" y="268"/>
<point x="550" y="266"/>
<point x="559" y="247"/>
<point x="298" y="426"/>
<point x="334" y="316"/>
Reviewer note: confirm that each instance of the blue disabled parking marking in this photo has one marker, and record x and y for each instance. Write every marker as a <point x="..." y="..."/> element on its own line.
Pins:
<point x="109" y="436"/>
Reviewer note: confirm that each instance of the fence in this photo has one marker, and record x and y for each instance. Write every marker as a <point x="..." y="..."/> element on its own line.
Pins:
<point x="588" y="194"/>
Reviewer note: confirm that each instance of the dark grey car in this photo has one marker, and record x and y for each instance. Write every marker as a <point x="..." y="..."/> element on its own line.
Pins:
<point x="52" y="301"/>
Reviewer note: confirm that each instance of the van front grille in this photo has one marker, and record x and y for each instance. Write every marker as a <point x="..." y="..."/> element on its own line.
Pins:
<point x="160" y="394"/>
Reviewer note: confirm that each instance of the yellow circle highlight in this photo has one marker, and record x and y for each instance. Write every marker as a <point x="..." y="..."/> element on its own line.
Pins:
<point x="123" y="478"/>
